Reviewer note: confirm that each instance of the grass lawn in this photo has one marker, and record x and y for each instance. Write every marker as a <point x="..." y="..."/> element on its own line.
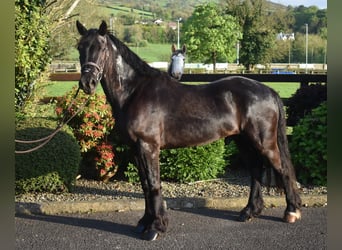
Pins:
<point x="54" y="89"/>
<point x="284" y="89"/>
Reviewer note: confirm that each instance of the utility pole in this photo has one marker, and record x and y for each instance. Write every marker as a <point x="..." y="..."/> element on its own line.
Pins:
<point x="178" y="20"/>
<point x="237" y="52"/>
<point x="306" y="48"/>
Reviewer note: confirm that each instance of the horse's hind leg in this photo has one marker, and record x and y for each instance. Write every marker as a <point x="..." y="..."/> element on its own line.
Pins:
<point x="253" y="161"/>
<point x="279" y="159"/>
<point x="155" y="220"/>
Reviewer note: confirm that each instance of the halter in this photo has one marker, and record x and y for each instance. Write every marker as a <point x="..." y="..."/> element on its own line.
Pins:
<point x="85" y="69"/>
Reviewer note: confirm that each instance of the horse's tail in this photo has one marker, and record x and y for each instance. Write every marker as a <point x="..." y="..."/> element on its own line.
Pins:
<point x="283" y="144"/>
<point x="272" y="177"/>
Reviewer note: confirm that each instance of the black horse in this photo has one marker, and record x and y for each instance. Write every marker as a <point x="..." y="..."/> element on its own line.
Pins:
<point x="177" y="64"/>
<point x="154" y="111"/>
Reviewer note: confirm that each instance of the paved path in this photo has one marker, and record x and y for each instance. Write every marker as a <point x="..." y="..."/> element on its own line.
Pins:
<point x="203" y="228"/>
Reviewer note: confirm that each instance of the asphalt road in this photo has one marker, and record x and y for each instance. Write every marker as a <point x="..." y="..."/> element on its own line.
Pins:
<point x="188" y="229"/>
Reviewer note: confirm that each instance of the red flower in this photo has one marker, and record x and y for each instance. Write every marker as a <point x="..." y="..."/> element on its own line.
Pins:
<point x="103" y="172"/>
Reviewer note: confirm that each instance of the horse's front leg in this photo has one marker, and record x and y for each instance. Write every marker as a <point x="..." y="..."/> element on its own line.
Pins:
<point x="254" y="162"/>
<point x="155" y="220"/>
<point x="255" y="203"/>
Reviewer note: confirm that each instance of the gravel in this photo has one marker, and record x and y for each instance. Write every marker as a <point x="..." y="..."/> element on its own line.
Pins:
<point x="234" y="184"/>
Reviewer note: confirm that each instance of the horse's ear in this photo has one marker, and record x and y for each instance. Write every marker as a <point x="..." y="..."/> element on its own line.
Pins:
<point x="103" y="28"/>
<point x="81" y="29"/>
<point x="173" y="48"/>
<point x="184" y="49"/>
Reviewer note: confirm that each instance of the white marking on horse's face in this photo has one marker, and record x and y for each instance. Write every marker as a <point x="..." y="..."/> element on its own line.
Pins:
<point x="178" y="63"/>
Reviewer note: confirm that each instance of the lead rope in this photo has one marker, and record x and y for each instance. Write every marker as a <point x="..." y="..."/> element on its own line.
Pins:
<point x="46" y="139"/>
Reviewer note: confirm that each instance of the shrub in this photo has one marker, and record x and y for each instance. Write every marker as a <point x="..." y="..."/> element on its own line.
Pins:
<point x="91" y="127"/>
<point x="50" y="182"/>
<point x="304" y="100"/>
<point x="53" y="167"/>
<point x="194" y="163"/>
<point x="31" y="47"/>
<point x="308" y="147"/>
<point x="191" y="163"/>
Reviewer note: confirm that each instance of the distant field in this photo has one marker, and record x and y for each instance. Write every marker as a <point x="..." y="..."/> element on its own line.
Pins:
<point x="119" y="9"/>
<point x="150" y="53"/>
<point x="54" y="89"/>
<point x="153" y="52"/>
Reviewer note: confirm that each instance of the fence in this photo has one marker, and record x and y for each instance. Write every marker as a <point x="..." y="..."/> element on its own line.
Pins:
<point x="301" y="78"/>
<point x="227" y="68"/>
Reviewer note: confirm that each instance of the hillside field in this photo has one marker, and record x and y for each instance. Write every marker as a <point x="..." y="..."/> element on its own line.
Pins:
<point x="150" y="53"/>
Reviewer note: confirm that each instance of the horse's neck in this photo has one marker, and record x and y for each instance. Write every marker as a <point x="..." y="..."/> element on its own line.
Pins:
<point x="122" y="78"/>
<point x="118" y="83"/>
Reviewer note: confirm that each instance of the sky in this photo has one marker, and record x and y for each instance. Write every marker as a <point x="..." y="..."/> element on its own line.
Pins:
<point x="321" y="4"/>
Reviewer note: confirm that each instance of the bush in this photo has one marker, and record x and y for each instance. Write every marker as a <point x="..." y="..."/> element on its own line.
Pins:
<point x="31" y="47"/>
<point x="191" y="163"/>
<point x="308" y="147"/>
<point x="304" y="100"/>
<point x="53" y="167"/>
<point x="91" y="127"/>
<point x="194" y="163"/>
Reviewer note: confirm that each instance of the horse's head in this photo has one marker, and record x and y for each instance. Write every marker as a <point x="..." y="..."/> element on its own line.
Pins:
<point x="177" y="62"/>
<point x="93" y="52"/>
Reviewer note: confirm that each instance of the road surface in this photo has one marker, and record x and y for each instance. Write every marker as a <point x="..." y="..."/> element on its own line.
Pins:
<point x="188" y="229"/>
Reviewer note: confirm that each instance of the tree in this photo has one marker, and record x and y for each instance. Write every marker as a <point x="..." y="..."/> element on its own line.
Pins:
<point x="31" y="47"/>
<point x="314" y="17"/>
<point x="210" y="34"/>
<point x="62" y="15"/>
<point x="258" y="32"/>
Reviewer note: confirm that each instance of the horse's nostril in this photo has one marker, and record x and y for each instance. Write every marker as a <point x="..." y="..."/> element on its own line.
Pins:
<point x="92" y="83"/>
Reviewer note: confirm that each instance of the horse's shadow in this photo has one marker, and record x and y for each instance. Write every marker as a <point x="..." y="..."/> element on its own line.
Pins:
<point x="112" y="227"/>
<point x="129" y="230"/>
<point x="232" y="215"/>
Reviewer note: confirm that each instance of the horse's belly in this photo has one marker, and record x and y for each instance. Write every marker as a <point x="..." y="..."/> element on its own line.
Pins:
<point x="192" y="132"/>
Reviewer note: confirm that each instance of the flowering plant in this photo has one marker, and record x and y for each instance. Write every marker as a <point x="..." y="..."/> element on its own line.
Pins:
<point x="91" y="127"/>
<point x="105" y="161"/>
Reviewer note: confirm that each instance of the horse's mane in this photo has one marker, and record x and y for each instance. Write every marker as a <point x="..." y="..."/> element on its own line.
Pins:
<point x="133" y="60"/>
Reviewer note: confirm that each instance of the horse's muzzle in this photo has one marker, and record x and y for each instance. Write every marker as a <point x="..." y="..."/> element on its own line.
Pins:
<point x="177" y="75"/>
<point x="88" y="85"/>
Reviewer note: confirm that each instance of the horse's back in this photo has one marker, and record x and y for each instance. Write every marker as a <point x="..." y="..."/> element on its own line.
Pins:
<point x="240" y="85"/>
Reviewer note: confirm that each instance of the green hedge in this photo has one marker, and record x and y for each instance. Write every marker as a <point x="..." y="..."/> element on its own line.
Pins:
<point x="52" y="168"/>
<point x="308" y="146"/>
<point x="31" y="46"/>
<point x="191" y="163"/>
<point x="306" y="98"/>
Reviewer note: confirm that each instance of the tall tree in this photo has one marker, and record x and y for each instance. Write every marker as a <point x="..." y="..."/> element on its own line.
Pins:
<point x="258" y="32"/>
<point x="210" y="34"/>
<point x="62" y="15"/>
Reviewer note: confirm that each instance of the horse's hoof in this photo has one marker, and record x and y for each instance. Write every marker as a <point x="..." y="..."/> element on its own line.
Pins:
<point x="292" y="217"/>
<point x="244" y="218"/>
<point x="150" y="235"/>
<point x="140" y="228"/>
